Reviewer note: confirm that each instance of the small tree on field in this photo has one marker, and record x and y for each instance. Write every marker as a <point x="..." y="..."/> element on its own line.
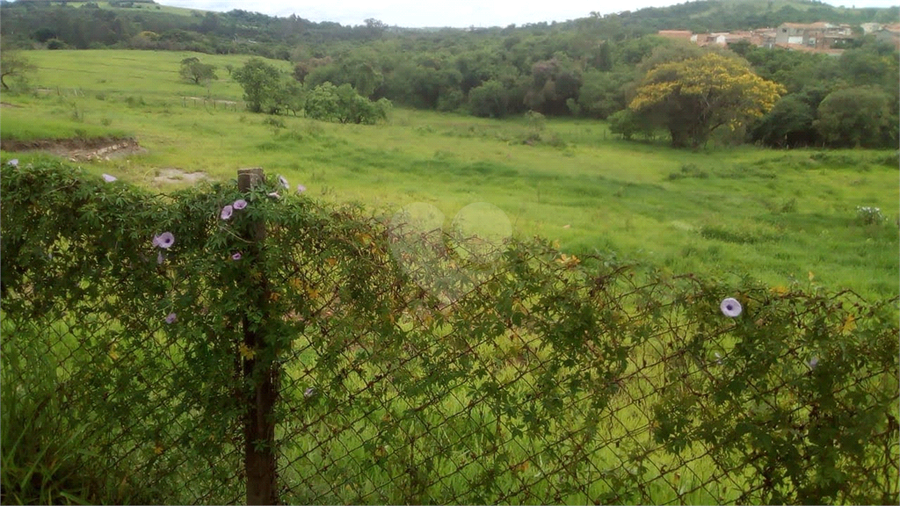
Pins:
<point x="194" y="71"/>
<point x="14" y="66"/>
<point x="261" y="83"/>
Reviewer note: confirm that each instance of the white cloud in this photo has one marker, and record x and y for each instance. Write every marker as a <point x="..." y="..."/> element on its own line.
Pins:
<point x="455" y="13"/>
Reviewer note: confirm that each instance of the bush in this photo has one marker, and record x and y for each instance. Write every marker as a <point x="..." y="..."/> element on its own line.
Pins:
<point x="342" y="104"/>
<point x="629" y="124"/>
<point x="56" y="44"/>
<point x="490" y="100"/>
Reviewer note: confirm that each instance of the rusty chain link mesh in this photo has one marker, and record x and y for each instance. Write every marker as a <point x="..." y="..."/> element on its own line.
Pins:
<point x="117" y="394"/>
<point x="548" y="383"/>
<point x="423" y="370"/>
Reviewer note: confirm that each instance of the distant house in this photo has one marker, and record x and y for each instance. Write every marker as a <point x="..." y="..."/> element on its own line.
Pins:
<point x="764" y="37"/>
<point x="889" y="34"/>
<point x="870" y="27"/>
<point x="819" y="35"/>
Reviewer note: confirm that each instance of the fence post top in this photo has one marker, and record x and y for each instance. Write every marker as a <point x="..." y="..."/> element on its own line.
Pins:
<point x="250" y="177"/>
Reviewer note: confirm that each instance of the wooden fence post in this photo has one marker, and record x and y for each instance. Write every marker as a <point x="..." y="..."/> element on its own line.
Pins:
<point x="259" y="423"/>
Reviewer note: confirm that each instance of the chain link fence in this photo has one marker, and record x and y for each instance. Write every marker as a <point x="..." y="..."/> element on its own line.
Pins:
<point x="298" y="353"/>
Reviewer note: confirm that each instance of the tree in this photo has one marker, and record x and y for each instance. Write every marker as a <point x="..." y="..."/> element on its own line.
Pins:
<point x="489" y="100"/>
<point x="788" y="124"/>
<point x="343" y="104"/>
<point x="603" y="93"/>
<point x="261" y="83"/>
<point x="693" y="97"/>
<point x="196" y="72"/>
<point x="13" y="65"/>
<point x="356" y="70"/>
<point x="554" y="82"/>
<point x="855" y="117"/>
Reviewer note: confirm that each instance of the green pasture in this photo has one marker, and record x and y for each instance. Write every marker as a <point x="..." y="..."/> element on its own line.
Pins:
<point x="728" y="212"/>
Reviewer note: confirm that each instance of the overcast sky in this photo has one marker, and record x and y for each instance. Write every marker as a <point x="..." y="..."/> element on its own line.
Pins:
<point x="455" y="13"/>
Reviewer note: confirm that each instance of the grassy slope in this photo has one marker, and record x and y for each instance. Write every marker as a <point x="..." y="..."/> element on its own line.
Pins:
<point x="140" y="7"/>
<point x="723" y="212"/>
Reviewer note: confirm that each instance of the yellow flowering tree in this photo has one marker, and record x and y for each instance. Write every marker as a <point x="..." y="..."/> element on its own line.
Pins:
<point x="694" y="97"/>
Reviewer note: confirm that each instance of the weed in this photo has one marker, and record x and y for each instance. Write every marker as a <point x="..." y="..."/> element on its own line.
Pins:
<point x="870" y="215"/>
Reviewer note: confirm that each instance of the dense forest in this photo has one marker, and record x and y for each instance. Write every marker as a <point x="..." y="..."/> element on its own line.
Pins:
<point x="592" y="67"/>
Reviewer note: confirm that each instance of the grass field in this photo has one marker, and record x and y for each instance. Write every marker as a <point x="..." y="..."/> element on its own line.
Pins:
<point x="776" y="216"/>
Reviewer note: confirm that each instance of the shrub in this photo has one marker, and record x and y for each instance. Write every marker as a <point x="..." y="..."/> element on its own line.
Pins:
<point x="629" y="124"/>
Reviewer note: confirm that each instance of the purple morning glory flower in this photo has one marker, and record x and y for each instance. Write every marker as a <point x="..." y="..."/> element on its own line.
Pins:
<point x="236" y="256"/>
<point x="283" y="181"/>
<point x="731" y="307"/>
<point x="301" y="188"/>
<point x="226" y="212"/>
<point x="171" y="318"/>
<point x="13" y="163"/>
<point x="160" y="258"/>
<point x="164" y="240"/>
<point x="240" y="204"/>
<point x="108" y="178"/>
<point x="813" y="362"/>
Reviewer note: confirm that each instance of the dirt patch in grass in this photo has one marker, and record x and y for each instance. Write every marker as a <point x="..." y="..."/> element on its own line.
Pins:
<point x="78" y="150"/>
<point x="174" y="175"/>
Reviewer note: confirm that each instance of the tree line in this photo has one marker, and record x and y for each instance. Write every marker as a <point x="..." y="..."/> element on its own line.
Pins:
<point x="591" y="67"/>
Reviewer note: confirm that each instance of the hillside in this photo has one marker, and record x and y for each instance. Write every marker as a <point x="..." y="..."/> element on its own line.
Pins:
<point x="726" y="15"/>
<point x="107" y="23"/>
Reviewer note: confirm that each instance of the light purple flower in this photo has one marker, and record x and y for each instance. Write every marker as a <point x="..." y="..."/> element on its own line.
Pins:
<point x="171" y="318"/>
<point x="236" y="256"/>
<point x="160" y="258"/>
<point x="309" y="392"/>
<point x="240" y="204"/>
<point x="164" y="240"/>
<point x="274" y="195"/>
<point x="731" y="307"/>
<point x="813" y="362"/>
<point x="301" y="188"/>
<point x="226" y="212"/>
<point x="108" y="178"/>
<point x="13" y="163"/>
<point x="283" y="181"/>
